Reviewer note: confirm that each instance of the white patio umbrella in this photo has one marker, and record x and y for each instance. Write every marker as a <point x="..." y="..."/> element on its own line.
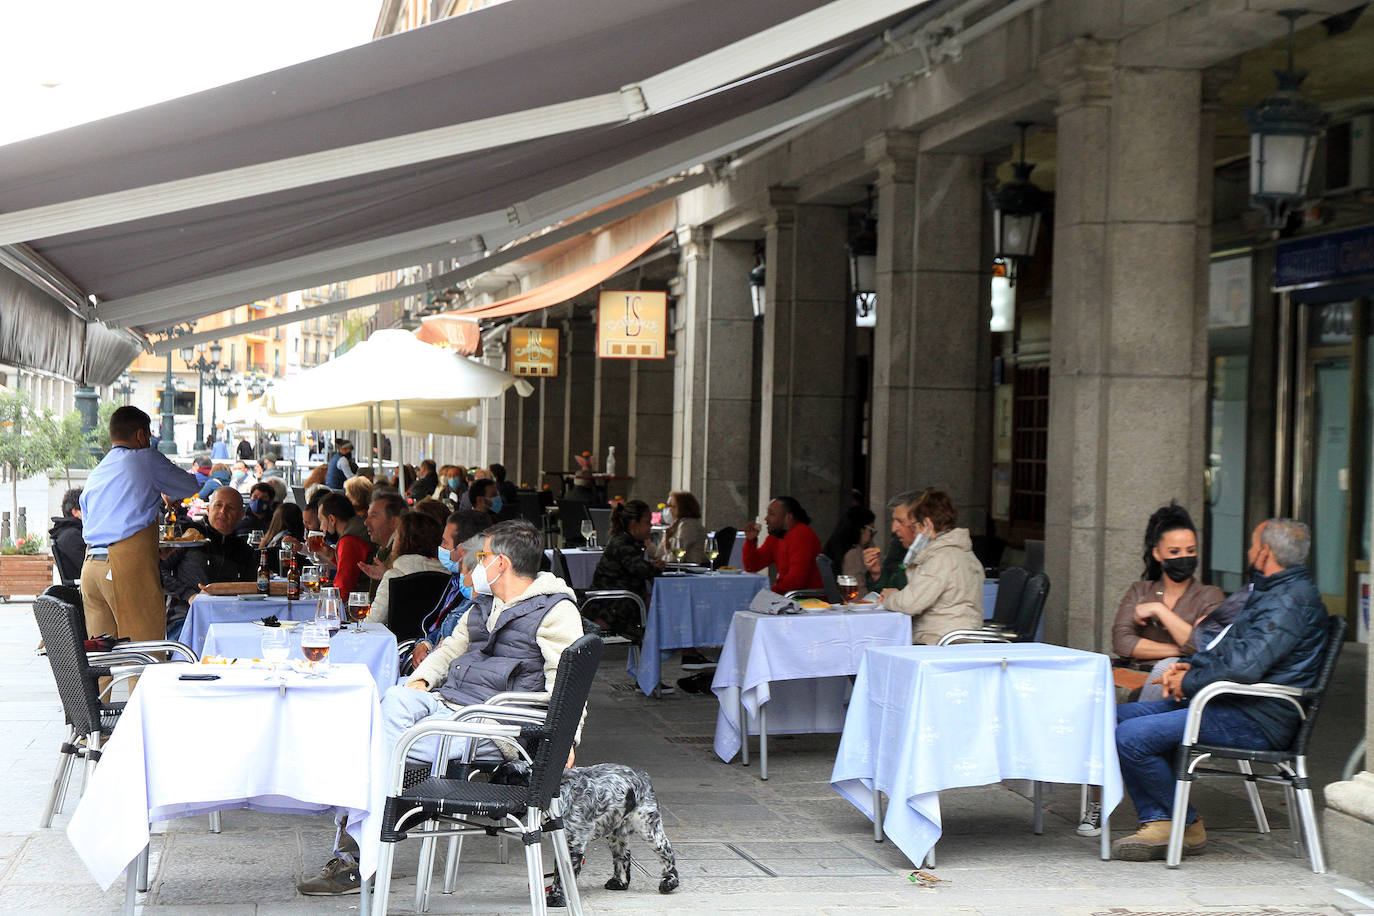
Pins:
<point x="415" y="421"/>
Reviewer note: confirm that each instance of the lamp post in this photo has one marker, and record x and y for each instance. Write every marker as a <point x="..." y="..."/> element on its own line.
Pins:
<point x="863" y="259"/>
<point x="167" y="441"/>
<point x="202" y="366"/>
<point x="1017" y="208"/>
<point x="127" y="386"/>
<point x="1284" y="130"/>
<point x="221" y="381"/>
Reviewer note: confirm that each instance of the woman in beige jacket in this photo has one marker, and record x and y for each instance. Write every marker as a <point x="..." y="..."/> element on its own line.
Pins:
<point x="944" y="580"/>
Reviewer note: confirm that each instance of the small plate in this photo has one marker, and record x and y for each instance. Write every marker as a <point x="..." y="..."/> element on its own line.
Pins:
<point x="283" y="624"/>
<point x="201" y="543"/>
<point x="251" y="597"/>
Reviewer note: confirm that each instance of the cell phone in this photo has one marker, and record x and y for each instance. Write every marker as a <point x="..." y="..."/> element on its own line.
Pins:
<point x="199" y="677"/>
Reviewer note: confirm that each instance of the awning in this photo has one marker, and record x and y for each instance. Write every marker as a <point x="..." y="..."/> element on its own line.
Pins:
<point x="350" y="157"/>
<point x="462" y="335"/>
<point x="434" y="328"/>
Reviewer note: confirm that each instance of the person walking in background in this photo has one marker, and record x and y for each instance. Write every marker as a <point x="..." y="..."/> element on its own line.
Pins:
<point x="122" y="507"/>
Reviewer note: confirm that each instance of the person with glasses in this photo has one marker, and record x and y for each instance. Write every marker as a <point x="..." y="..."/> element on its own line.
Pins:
<point x="851" y="537"/>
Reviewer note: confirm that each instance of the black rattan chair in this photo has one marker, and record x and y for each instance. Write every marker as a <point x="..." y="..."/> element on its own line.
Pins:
<point x="1010" y="585"/>
<point x="1290" y="763"/>
<point x="725" y="543"/>
<point x="440" y="806"/>
<point x="828" y="583"/>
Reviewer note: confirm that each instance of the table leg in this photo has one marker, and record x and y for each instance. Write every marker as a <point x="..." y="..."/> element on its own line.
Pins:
<point x="365" y="897"/>
<point x="131" y="883"/>
<point x="763" y="741"/>
<point x="1106" y="850"/>
<point x="877" y="815"/>
<point x="1038" y="817"/>
<point x="743" y="730"/>
<point x="142" y="861"/>
<point x="929" y="859"/>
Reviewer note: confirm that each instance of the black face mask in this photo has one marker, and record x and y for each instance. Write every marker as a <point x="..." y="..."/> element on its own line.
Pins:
<point x="1180" y="569"/>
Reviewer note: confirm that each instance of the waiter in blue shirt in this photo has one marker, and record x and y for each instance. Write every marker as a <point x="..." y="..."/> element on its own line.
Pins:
<point x="121" y="507"/>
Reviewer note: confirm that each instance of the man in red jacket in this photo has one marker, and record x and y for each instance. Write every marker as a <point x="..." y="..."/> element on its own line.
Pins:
<point x="791" y="546"/>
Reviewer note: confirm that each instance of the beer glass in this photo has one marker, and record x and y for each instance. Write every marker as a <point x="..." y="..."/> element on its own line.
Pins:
<point x="358" y="606"/>
<point x="849" y="588"/>
<point x="311" y="579"/>
<point x="315" y="648"/>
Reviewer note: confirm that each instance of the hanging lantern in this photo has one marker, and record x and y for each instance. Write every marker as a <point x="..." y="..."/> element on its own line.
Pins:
<point x="757" y="280"/>
<point x="1017" y="208"/>
<point x="1284" y="130"/>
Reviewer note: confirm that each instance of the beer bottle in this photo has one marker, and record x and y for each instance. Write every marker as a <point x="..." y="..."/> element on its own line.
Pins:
<point x="169" y="529"/>
<point x="264" y="575"/>
<point x="293" y="580"/>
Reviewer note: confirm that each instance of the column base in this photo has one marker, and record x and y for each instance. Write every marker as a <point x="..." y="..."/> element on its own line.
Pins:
<point x="1348" y="827"/>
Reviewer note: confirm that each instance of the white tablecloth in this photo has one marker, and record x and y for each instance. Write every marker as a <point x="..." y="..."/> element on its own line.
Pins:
<point x="375" y="647"/>
<point x="208" y="609"/>
<point x="926" y="718"/>
<point x="186" y="748"/>
<point x="581" y="564"/>
<point x="799" y="665"/>
<point x="691" y="609"/>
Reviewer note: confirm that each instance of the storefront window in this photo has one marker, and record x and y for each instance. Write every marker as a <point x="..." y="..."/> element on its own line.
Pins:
<point x="1225" y="555"/>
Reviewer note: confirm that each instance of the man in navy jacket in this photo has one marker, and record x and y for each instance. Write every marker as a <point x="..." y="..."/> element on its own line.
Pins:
<point x="1279" y="638"/>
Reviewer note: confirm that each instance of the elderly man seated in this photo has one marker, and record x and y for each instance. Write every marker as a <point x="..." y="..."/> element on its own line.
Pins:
<point x="224" y="558"/>
<point x="510" y="638"/>
<point x="1279" y="637"/>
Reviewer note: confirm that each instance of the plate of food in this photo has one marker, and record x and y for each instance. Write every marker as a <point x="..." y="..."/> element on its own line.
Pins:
<point x="274" y="622"/>
<point x="192" y="538"/>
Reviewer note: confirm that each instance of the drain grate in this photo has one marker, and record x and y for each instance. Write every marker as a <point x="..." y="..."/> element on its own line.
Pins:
<point x="1265" y="911"/>
<point x="690" y="739"/>
<point x="622" y="687"/>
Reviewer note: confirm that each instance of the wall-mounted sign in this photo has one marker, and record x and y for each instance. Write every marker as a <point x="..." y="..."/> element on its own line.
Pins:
<point x="1228" y="304"/>
<point x="632" y="324"/>
<point x="534" y="351"/>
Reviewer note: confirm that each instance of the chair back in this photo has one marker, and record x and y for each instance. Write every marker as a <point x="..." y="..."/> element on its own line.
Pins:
<point x="65" y="572"/>
<point x="828" y="583"/>
<point x="560" y="567"/>
<point x="1010" y="585"/>
<point x="725" y="543"/>
<point x="298" y="494"/>
<point x="1031" y="607"/>
<point x="1312" y="701"/>
<point x="553" y="740"/>
<point x="571" y="514"/>
<point x="1035" y="556"/>
<point x="601" y="521"/>
<point x="410" y="599"/>
<point x="531" y="510"/>
<point x="62" y="624"/>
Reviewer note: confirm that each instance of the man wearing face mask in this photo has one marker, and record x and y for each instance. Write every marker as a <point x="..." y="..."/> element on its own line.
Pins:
<point x="261" y="505"/>
<point x="944" y="580"/>
<point x="791" y="546"/>
<point x="509" y="639"/>
<point x="457" y="553"/>
<point x="485" y="498"/>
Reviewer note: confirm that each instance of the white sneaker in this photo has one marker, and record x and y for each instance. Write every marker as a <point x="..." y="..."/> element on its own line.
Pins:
<point x="1091" y="824"/>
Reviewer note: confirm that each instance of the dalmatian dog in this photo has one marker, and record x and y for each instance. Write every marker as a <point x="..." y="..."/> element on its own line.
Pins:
<point x="609" y="800"/>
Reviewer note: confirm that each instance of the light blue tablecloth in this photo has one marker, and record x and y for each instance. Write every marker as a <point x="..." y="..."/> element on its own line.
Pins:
<point x="690" y="610"/>
<point x="797" y="664"/>
<point x="374" y="647"/>
<point x="926" y="718"/>
<point x="208" y="609"/>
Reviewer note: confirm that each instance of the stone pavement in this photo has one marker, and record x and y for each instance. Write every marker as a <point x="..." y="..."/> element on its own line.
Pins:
<point x="790" y="845"/>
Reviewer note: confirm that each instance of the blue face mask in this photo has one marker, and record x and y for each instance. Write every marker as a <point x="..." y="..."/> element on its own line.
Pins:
<point x="453" y="483"/>
<point x="466" y="590"/>
<point x="496" y="504"/>
<point x="444" y="557"/>
<point x="259" y="506"/>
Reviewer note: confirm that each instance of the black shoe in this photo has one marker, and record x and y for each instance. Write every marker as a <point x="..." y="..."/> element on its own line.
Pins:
<point x="697" y="683"/>
<point x="692" y="661"/>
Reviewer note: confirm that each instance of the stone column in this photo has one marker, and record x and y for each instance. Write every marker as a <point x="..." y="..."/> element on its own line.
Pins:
<point x="1129" y="346"/>
<point x="692" y="344"/>
<point x="650" y="431"/>
<point x="611" y="424"/>
<point x="725" y="491"/>
<point x="549" y="420"/>
<point x="802" y="448"/>
<point x="931" y="341"/>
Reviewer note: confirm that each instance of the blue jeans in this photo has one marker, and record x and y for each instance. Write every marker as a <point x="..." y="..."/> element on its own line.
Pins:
<point x="1147" y="739"/>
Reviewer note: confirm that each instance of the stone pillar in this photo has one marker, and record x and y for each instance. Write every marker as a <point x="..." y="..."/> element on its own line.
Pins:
<point x="550" y="419"/>
<point x="611" y="425"/>
<point x="1129" y="346"/>
<point x="650" y="432"/>
<point x="692" y="346"/>
<point x="88" y="405"/>
<point x="931" y="341"/>
<point x="803" y="448"/>
<point x="580" y="391"/>
<point x="728" y="440"/>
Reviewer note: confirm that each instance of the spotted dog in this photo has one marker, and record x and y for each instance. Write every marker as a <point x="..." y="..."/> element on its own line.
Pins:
<point x="609" y="800"/>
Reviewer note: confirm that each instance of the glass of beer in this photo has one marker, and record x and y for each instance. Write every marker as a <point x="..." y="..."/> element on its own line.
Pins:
<point x="849" y="588"/>
<point x="311" y="579"/>
<point x="284" y="559"/>
<point x="315" y="648"/>
<point x="358" y="606"/>
<point x="314" y="541"/>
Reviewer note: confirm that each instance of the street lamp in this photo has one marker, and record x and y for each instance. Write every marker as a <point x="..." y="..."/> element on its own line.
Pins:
<point x="1017" y="208"/>
<point x="1284" y="130"/>
<point x="127" y="386"/>
<point x="758" y="279"/>
<point x="863" y="259"/>
<point x="221" y="381"/>
<point x="202" y="367"/>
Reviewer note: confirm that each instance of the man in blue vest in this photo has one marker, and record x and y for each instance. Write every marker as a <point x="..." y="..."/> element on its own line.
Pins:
<point x="511" y="638"/>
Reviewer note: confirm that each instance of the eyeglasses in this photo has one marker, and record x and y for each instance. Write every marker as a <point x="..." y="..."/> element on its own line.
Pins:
<point x="870" y="529"/>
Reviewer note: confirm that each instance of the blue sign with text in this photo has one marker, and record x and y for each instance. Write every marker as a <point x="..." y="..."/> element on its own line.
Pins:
<point x="1324" y="258"/>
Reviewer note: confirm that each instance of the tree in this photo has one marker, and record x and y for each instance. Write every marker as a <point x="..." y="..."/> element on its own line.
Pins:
<point x="71" y="445"/>
<point x="100" y="436"/>
<point x="26" y="440"/>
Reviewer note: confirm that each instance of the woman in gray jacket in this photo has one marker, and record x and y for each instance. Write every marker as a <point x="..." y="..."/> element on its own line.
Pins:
<point x="944" y="580"/>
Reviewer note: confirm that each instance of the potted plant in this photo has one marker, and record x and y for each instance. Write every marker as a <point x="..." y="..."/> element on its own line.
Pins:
<point x="25" y="567"/>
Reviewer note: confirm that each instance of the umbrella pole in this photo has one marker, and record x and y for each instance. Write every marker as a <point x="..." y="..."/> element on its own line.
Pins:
<point x="400" y="451"/>
<point x="376" y="468"/>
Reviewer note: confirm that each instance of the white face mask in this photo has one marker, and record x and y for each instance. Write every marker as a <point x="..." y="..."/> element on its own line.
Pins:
<point x="480" y="583"/>
<point x="917" y="545"/>
<point x="667" y="516"/>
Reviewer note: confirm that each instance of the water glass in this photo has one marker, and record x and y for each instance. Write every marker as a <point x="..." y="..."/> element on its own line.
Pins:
<point x="276" y="647"/>
<point x="254" y="538"/>
<point x="358" y="606"/>
<point x="327" y="609"/>
<point x="315" y="648"/>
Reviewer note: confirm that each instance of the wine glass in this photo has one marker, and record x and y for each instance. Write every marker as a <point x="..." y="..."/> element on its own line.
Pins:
<point x="311" y="579"/>
<point x="358" y="606"/>
<point x="276" y="646"/>
<point x="254" y="538"/>
<point x="327" y="609"/>
<point x="315" y="648"/>
<point x="849" y="588"/>
<point x="588" y="532"/>
<point x="680" y="554"/>
<point x="712" y="550"/>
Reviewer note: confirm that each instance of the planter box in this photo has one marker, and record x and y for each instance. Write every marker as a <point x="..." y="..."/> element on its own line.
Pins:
<point x="21" y="575"/>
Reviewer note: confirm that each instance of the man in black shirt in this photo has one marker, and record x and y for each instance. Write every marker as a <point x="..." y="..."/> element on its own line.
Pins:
<point x="226" y="557"/>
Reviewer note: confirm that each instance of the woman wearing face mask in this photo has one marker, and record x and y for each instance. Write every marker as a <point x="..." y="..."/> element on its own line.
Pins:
<point x="416" y="548"/>
<point x="682" y="515"/>
<point x="1156" y="617"/>
<point x="944" y="580"/>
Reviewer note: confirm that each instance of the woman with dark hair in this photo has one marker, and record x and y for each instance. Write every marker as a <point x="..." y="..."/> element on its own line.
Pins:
<point x="944" y="580"/>
<point x="417" y="546"/>
<point x="849" y="540"/>
<point x="682" y="515"/>
<point x="1157" y="614"/>
<point x="286" y="522"/>
<point x="623" y="565"/>
<point x="337" y="517"/>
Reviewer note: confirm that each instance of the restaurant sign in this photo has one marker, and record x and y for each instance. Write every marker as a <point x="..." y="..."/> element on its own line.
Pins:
<point x="632" y="324"/>
<point x="534" y="351"/>
<point x="1324" y="258"/>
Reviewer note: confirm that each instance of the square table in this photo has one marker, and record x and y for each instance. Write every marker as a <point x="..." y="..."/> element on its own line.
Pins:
<point x="185" y="748"/>
<point x="686" y="610"/>
<point x="581" y="564"/>
<point x="926" y="718"/>
<point x="797" y="666"/>
<point x="208" y="609"/>
<point x="374" y="647"/>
